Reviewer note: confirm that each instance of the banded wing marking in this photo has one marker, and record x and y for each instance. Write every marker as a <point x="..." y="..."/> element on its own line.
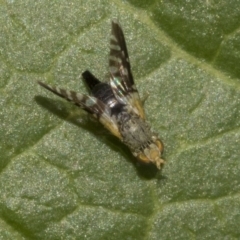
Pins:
<point x="121" y="79"/>
<point x="90" y="104"/>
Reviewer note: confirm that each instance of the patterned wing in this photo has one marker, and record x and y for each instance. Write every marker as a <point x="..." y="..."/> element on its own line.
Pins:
<point x="121" y="79"/>
<point x="90" y="104"/>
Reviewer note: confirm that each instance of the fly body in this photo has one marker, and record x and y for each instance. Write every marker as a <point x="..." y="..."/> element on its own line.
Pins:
<point x="117" y="105"/>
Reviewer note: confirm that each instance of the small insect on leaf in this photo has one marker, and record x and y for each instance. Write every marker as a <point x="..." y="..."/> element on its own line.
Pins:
<point x="116" y="104"/>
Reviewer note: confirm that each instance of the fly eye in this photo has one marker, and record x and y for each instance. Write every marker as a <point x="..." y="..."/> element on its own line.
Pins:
<point x="143" y="158"/>
<point x="160" y="145"/>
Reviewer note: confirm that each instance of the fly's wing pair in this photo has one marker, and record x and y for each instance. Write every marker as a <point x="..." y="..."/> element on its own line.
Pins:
<point x="121" y="82"/>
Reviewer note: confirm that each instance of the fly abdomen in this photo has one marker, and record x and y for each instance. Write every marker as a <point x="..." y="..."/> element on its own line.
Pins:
<point x="103" y="92"/>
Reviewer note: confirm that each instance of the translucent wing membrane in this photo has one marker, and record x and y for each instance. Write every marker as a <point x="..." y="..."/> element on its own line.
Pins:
<point x="121" y="79"/>
<point x="119" y="59"/>
<point x="90" y="104"/>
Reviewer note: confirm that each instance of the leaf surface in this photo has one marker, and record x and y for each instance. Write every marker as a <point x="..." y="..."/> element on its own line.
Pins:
<point x="62" y="177"/>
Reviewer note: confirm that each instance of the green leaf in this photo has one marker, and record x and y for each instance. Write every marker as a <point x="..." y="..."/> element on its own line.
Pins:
<point x="62" y="177"/>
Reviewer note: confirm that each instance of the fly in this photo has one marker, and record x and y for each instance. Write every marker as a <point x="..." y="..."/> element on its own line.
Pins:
<point x="117" y="104"/>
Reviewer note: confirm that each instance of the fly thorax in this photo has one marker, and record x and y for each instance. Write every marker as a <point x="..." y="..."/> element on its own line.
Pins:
<point x="134" y="130"/>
